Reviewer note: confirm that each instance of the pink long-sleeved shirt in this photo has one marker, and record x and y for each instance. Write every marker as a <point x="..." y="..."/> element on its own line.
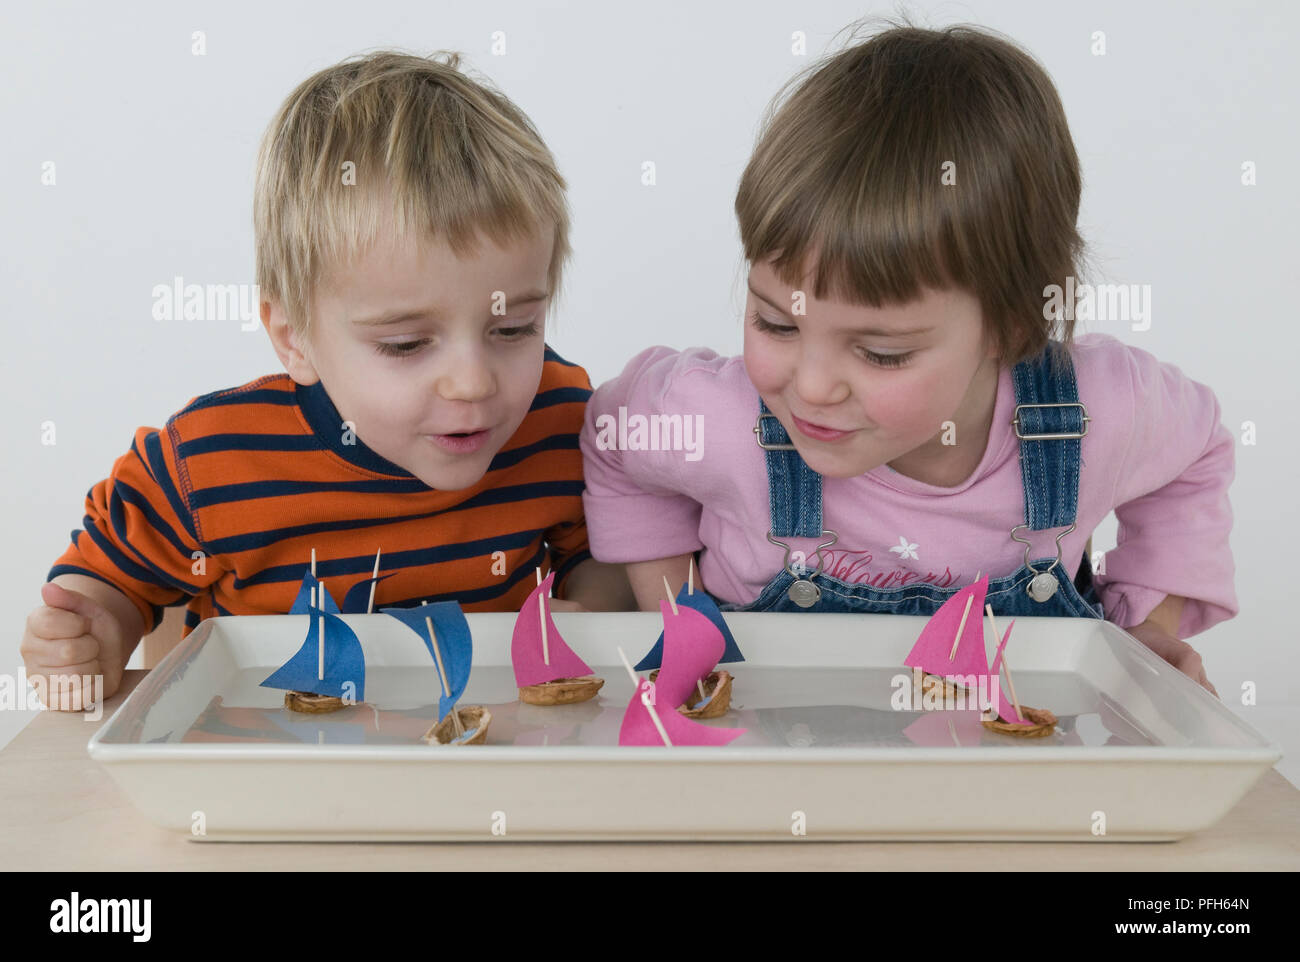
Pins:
<point x="1156" y="453"/>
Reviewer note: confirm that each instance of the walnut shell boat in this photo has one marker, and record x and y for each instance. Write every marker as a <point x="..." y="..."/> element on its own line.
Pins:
<point x="948" y="691"/>
<point x="311" y="703"/>
<point x="562" y="691"/>
<point x="473" y="718"/>
<point x="1044" y="723"/>
<point x="717" y="695"/>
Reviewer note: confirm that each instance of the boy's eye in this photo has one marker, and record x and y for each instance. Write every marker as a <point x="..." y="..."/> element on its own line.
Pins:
<point x="408" y="348"/>
<point x="400" y="348"/>
<point x="518" y="333"/>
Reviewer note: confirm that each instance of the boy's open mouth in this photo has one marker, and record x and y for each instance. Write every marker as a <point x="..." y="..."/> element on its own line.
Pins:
<point x="461" y="442"/>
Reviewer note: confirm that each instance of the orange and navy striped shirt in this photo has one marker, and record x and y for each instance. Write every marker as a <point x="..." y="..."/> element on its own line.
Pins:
<point x="222" y="507"/>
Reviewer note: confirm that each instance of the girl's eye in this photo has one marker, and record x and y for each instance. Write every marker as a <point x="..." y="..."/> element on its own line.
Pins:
<point x="767" y="327"/>
<point x="886" y="360"/>
<point x="400" y="348"/>
<point x="785" y="330"/>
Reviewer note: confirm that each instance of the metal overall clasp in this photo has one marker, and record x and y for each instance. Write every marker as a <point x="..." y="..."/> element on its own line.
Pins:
<point x="1043" y="584"/>
<point x="758" y="436"/>
<point x="803" y="592"/>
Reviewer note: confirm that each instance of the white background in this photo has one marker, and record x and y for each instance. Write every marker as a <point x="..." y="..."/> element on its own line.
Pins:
<point x="155" y="151"/>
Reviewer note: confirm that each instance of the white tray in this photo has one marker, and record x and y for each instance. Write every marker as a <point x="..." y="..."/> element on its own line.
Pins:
<point x="1139" y="742"/>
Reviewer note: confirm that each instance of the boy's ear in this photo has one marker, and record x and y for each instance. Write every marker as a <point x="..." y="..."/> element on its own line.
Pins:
<point x="285" y="341"/>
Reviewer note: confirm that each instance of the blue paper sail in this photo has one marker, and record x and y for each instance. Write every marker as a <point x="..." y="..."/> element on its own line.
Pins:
<point x="301" y="603"/>
<point x="702" y="602"/>
<point x="454" y="643"/>
<point x="345" y="663"/>
<point x="357" y="600"/>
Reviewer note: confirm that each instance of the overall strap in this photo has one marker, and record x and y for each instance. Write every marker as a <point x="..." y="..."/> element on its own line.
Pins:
<point x="795" y="490"/>
<point x="1049" y="421"/>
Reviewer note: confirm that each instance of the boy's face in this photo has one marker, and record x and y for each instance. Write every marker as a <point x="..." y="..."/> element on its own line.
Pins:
<point x="406" y="343"/>
<point x="834" y="367"/>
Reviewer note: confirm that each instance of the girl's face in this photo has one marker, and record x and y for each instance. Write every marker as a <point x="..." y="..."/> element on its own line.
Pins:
<point x="856" y="387"/>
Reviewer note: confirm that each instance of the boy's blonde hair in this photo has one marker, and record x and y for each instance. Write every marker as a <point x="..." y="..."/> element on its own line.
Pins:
<point x="847" y="174"/>
<point x="433" y="153"/>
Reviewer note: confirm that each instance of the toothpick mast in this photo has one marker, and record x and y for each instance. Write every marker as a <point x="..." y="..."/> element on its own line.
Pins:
<point x="541" y="616"/>
<point x="370" y="605"/>
<point x="966" y="611"/>
<point x="672" y="601"/>
<point x="313" y="562"/>
<point x="960" y="628"/>
<point x="320" y="645"/>
<point x="690" y="577"/>
<point x="1010" y="682"/>
<point x="645" y="698"/>
<point x="442" y="674"/>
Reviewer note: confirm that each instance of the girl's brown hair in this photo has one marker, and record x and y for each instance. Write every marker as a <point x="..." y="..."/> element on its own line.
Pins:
<point x="848" y="179"/>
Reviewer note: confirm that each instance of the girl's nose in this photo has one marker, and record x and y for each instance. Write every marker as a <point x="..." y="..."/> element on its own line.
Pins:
<point x="818" y="383"/>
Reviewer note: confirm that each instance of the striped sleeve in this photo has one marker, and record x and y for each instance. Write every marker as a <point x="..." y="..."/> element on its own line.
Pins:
<point x="569" y="548"/>
<point x="139" y="534"/>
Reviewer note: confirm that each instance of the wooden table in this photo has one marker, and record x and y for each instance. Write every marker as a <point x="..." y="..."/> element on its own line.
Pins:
<point x="59" y="810"/>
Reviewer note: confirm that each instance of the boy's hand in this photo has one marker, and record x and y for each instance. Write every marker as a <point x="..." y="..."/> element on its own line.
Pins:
<point x="1178" y="653"/>
<point x="74" y="636"/>
<point x="559" y="604"/>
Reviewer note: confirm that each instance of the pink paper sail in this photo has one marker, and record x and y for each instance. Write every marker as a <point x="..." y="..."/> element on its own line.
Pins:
<point x="1002" y="699"/>
<point x="932" y="648"/>
<point x="969" y="667"/>
<point x="945" y="729"/>
<point x="692" y="647"/>
<point x="639" y="728"/>
<point x="531" y="668"/>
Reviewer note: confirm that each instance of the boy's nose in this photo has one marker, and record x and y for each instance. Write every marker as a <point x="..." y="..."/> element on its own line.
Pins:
<point x="466" y="379"/>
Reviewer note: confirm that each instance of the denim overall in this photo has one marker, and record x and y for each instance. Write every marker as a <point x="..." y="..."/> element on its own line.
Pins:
<point x="1049" y="421"/>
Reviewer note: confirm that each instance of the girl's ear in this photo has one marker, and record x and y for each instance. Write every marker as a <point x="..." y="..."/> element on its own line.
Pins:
<point x="288" y="344"/>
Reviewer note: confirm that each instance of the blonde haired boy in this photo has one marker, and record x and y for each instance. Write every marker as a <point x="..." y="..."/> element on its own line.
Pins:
<point x="411" y="232"/>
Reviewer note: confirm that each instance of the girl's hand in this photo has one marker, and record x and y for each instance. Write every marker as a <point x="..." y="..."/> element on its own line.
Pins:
<point x="558" y="604"/>
<point x="1178" y="653"/>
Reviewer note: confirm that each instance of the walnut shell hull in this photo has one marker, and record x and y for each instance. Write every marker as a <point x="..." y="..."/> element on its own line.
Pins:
<point x="311" y="703"/>
<point x="716" y="683"/>
<point x="471" y="717"/>
<point x="1044" y="723"/>
<point x="947" y="690"/>
<point x="562" y="691"/>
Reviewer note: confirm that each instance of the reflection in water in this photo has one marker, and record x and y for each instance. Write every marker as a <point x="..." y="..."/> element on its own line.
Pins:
<point x="806" y="708"/>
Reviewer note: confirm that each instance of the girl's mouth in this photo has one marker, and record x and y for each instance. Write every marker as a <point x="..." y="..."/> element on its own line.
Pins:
<point x="817" y="432"/>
